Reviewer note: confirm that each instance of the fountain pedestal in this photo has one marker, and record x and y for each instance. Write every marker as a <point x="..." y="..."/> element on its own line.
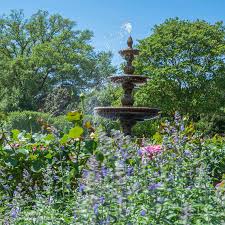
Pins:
<point x="127" y="114"/>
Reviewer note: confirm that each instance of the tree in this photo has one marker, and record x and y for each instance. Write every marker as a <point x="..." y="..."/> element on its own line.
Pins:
<point x="185" y="63"/>
<point x="109" y="95"/>
<point x="43" y="53"/>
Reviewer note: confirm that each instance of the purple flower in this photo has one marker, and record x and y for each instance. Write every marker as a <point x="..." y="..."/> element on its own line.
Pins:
<point x="6" y="186"/>
<point x="15" y="212"/>
<point x="143" y="212"/>
<point x="139" y="152"/>
<point x="120" y="200"/>
<point x="74" y="215"/>
<point x="184" y="138"/>
<point x="182" y="127"/>
<point x="102" y="199"/>
<point x="124" y="155"/>
<point x="187" y="153"/>
<point x="107" y="219"/>
<point x="130" y="171"/>
<point x="104" y="171"/>
<point x="55" y="178"/>
<point x="95" y="208"/>
<point x="10" y="177"/>
<point x="81" y="187"/>
<point x="176" y="139"/>
<point x="85" y="173"/>
<point x="173" y="130"/>
<point x="154" y="186"/>
<point x="177" y="117"/>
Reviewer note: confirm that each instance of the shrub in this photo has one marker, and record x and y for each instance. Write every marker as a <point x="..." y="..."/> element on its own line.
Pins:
<point x="146" y="128"/>
<point x="30" y="121"/>
<point x="27" y="120"/>
<point x="211" y="125"/>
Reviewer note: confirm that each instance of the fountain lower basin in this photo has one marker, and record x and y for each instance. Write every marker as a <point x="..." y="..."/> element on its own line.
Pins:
<point x="127" y="113"/>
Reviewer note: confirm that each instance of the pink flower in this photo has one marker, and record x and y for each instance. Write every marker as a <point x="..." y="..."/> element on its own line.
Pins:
<point x="16" y="145"/>
<point x="151" y="150"/>
<point x="221" y="185"/>
<point x="42" y="148"/>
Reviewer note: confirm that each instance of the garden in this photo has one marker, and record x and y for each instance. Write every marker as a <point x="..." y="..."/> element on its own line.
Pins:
<point x="60" y="163"/>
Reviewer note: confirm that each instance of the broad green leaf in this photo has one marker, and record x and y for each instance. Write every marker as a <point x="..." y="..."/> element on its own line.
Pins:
<point x="64" y="139"/>
<point x="76" y="132"/>
<point x="157" y="137"/>
<point x="49" y="156"/>
<point x="15" y="134"/>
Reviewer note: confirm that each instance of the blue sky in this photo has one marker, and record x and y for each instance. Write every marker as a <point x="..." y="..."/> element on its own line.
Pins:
<point x="105" y="17"/>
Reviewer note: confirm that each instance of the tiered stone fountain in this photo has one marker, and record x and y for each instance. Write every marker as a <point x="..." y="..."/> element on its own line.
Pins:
<point x="127" y="113"/>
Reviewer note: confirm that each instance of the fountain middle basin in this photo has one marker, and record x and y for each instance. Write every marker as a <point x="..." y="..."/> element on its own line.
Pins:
<point x="136" y="79"/>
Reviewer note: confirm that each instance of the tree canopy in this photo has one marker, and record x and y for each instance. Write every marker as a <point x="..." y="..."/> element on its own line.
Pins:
<point x="185" y="63"/>
<point x="42" y="53"/>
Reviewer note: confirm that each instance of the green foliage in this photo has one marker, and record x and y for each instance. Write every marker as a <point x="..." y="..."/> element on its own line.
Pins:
<point x="215" y="158"/>
<point x="27" y="120"/>
<point x="107" y="96"/>
<point x="211" y="125"/>
<point x="60" y="123"/>
<point x="184" y="61"/>
<point x="31" y="121"/>
<point x="25" y="157"/>
<point x="58" y="101"/>
<point x="42" y="53"/>
<point x="146" y="128"/>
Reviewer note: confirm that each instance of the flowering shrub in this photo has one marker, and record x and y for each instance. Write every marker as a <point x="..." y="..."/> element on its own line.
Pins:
<point x="177" y="186"/>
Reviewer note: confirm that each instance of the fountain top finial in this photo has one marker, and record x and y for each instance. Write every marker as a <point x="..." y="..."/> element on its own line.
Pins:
<point x="130" y="42"/>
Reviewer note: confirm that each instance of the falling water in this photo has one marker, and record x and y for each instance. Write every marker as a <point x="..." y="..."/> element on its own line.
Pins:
<point x="127" y="27"/>
<point x="117" y="37"/>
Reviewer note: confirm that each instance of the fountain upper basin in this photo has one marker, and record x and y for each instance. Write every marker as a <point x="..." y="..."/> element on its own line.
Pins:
<point x="127" y="113"/>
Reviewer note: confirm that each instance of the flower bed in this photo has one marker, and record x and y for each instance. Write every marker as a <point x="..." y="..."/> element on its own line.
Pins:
<point x="176" y="179"/>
